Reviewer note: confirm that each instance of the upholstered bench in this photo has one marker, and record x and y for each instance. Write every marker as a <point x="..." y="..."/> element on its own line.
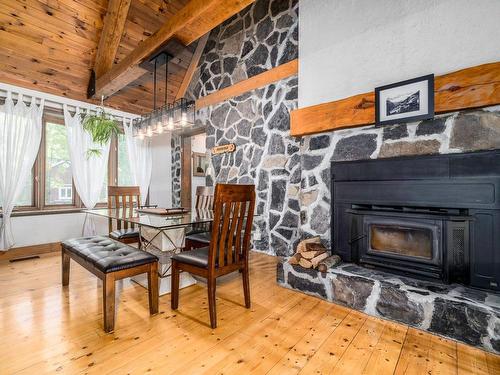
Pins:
<point x="111" y="260"/>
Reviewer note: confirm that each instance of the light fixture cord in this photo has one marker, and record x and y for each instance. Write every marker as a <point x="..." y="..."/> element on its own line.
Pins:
<point x="154" y="86"/>
<point x="166" y="78"/>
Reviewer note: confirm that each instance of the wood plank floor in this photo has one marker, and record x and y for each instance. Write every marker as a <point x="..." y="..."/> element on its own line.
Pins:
<point x="49" y="329"/>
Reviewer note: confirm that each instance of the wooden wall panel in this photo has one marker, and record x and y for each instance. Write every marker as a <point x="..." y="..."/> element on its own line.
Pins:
<point x="474" y="87"/>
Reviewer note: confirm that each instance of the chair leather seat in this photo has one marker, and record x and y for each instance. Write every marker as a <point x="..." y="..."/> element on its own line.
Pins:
<point x="120" y="234"/>
<point x="203" y="237"/>
<point x="108" y="255"/>
<point x="197" y="257"/>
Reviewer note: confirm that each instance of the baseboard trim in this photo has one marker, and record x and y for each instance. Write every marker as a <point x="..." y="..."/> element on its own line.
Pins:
<point x="25" y="251"/>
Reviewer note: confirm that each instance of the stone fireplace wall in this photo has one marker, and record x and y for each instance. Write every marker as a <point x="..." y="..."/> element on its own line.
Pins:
<point x="292" y="175"/>
<point x="176" y="169"/>
<point x="451" y="133"/>
<point x="261" y="37"/>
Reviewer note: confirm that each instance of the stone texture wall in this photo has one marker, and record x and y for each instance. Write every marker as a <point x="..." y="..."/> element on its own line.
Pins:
<point x="176" y="170"/>
<point x="451" y="133"/>
<point x="262" y="36"/>
<point x="259" y="38"/>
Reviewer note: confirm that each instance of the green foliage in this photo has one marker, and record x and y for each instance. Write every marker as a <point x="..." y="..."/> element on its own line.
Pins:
<point x="101" y="128"/>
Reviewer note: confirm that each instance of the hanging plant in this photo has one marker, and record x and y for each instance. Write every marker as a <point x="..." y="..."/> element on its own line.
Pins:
<point x="101" y="128"/>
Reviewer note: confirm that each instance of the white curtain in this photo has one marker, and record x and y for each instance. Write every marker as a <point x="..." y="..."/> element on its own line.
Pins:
<point x="88" y="171"/>
<point x="140" y="158"/>
<point x="20" y="135"/>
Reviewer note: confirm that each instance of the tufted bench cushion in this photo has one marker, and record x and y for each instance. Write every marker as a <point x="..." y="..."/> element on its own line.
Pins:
<point x="107" y="255"/>
<point x="129" y="233"/>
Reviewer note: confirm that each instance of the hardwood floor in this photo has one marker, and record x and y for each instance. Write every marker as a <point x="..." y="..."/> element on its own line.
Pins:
<point x="48" y="329"/>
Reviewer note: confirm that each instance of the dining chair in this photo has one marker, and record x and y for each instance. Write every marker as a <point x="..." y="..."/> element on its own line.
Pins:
<point x="127" y="198"/>
<point x="229" y="245"/>
<point x="199" y="235"/>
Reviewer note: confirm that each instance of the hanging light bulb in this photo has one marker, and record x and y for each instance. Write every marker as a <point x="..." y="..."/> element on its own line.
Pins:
<point x="183" y="118"/>
<point x="159" y="124"/>
<point x="170" y="124"/>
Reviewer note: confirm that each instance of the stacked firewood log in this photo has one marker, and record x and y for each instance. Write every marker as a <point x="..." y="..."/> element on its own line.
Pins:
<point x="312" y="254"/>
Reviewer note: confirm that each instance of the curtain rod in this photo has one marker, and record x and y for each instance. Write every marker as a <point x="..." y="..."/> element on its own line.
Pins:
<point x="57" y="102"/>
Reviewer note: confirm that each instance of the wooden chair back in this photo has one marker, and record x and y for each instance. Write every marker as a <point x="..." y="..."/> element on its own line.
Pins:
<point x="126" y="197"/>
<point x="232" y="227"/>
<point x="204" y="198"/>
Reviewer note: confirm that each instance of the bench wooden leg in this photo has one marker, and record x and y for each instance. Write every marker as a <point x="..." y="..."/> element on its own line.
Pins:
<point x="174" y="290"/>
<point x="153" y="292"/>
<point x="65" y="267"/>
<point x="108" y="289"/>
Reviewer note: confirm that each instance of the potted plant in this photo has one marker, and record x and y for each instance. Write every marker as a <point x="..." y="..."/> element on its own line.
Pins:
<point x="101" y="127"/>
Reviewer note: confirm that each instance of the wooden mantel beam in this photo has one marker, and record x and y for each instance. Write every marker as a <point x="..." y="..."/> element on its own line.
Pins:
<point x="204" y="14"/>
<point x="114" y="23"/>
<point x="474" y="87"/>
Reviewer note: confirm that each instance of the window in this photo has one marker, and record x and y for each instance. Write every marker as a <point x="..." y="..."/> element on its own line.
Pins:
<point x="58" y="177"/>
<point x="124" y="172"/>
<point x="50" y="186"/>
<point x="25" y="199"/>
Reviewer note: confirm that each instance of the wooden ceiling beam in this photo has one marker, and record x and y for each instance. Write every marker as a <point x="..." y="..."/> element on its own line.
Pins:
<point x="192" y="66"/>
<point x="128" y="69"/>
<point x="112" y="31"/>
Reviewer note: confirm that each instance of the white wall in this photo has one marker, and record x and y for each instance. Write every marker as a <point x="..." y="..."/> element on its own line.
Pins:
<point x="42" y="229"/>
<point x="197" y="145"/>
<point x="160" y="191"/>
<point x="350" y="47"/>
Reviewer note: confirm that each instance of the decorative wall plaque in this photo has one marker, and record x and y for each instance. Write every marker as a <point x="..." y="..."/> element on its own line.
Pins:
<point x="223" y="149"/>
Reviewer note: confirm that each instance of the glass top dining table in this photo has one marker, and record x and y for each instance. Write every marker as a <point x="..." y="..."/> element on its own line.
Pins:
<point x="155" y="221"/>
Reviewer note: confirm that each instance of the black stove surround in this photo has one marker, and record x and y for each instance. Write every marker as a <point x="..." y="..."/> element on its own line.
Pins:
<point x="432" y="217"/>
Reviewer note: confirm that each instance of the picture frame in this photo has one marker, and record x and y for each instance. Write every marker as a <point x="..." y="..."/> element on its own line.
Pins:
<point x="405" y="101"/>
<point x="200" y="164"/>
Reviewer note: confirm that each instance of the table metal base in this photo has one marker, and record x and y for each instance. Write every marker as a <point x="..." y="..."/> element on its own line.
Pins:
<point x="166" y="281"/>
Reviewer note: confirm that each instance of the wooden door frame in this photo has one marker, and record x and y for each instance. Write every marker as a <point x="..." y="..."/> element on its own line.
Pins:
<point x="186" y="166"/>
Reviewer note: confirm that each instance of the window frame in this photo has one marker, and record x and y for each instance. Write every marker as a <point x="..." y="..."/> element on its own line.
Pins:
<point x="38" y="205"/>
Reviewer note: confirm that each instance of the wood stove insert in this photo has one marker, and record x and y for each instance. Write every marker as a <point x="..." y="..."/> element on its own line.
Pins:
<point x="431" y="217"/>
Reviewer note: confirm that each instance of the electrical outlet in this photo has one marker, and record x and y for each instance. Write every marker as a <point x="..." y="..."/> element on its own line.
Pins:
<point x="257" y="235"/>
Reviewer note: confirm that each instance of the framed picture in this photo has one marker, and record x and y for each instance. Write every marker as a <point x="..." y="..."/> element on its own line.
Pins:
<point x="200" y="164"/>
<point x="405" y="101"/>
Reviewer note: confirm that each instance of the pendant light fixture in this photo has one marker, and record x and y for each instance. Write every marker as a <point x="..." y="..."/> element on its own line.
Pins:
<point x="170" y="116"/>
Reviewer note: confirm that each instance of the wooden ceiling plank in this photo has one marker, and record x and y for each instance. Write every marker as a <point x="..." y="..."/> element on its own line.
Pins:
<point x="72" y="30"/>
<point x="27" y="63"/>
<point x="111" y="35"/>
<point x="126" y="71"/>
<point x="39" y="34"/>
<point x="57" y="9"/>
<point x="15" y="44"/>
<point x="202" y="42"/>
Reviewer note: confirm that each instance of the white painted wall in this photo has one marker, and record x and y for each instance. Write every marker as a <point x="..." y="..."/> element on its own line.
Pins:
<point x="197" y="145"/>
<point x="348" y="47"/>
<point x="42" y="229"/>
<point x="160" y="190"/>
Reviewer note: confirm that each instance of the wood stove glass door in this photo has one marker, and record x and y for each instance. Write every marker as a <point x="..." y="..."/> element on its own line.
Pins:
<point x="404" y="239"/>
